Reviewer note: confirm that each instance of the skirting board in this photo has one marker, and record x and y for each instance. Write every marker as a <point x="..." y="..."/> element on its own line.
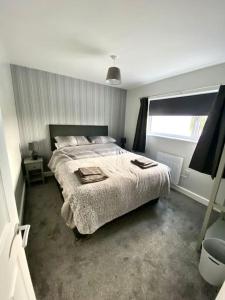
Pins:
<point x="21" y="210"/>
<point x="193" y="196"/>
<point x="190" y="194"/>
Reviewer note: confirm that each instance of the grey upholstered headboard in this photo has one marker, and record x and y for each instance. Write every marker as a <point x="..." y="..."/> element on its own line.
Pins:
<point x="86" y="130"/>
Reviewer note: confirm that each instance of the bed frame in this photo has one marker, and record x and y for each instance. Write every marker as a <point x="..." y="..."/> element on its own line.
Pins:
<point x="64" y="130"/>
<point x="85" y="130"/>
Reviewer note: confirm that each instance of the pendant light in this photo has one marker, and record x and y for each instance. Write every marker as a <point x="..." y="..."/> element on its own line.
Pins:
<point x="113" y="76"/>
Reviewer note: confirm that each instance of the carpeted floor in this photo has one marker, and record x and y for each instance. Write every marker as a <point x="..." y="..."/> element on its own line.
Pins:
<point x="146" y="254"/>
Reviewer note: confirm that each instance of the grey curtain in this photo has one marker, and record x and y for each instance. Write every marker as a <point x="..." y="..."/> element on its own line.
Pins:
<point x="140" y="134"/>
<point x="208" y="151"/>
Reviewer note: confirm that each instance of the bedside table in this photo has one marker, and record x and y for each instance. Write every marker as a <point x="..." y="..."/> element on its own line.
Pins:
<point x="34" y="169"/>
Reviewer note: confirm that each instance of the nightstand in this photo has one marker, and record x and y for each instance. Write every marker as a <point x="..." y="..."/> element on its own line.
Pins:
<point x="34" y="169"/>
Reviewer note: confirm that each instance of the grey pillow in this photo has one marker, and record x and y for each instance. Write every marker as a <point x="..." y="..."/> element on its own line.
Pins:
<point x="101" y="139"/>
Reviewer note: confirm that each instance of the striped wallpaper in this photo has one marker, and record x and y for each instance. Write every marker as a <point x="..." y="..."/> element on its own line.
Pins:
<point x="44" y="98"/>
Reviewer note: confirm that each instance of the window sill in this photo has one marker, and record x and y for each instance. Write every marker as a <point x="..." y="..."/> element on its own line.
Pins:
<point x="172" y="138"/>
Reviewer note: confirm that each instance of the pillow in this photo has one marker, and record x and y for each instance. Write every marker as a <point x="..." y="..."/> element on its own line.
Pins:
<point x="57" y="146"/>
<point x="101" y="139"/>
<point x="81" y="140"/>
<point x="63" y="141"/>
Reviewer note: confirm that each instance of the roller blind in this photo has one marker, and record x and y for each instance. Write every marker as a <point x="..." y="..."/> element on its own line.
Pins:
<point x="194" y="105"/>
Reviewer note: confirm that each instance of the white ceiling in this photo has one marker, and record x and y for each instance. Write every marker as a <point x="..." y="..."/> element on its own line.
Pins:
<point x="153" y="39"/>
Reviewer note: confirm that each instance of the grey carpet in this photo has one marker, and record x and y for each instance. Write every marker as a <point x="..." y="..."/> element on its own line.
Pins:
<point x="146" y="254"/>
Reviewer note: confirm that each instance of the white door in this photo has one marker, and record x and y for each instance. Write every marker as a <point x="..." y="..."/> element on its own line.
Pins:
<point x="221" y="294"/>
<point x="15" y="280"/>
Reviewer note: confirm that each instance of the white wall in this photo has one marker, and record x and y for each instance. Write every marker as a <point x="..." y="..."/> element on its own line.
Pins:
<point x="8" y="110"/>
<point x="196" y="182"/>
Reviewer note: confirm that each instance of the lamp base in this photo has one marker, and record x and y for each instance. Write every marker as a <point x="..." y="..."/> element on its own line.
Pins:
<point x="34" y="155"/>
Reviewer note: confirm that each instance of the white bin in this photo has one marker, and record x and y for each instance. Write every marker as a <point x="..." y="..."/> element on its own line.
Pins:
<point x="212" y="261"/>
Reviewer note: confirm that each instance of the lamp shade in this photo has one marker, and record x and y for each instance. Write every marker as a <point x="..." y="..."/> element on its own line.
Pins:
<point x="113" y="76"/>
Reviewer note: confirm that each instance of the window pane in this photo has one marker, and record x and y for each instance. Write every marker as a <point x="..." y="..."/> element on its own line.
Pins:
<point x="202" y="123"/>
<point x="173" y="125"/>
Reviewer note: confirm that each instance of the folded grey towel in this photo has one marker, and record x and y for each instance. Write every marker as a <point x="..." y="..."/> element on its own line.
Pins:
<point x="146" y="166"/>
<point x="90" y="171"/>
<point x="143" y="161"/>
<point x="93" y="174"/>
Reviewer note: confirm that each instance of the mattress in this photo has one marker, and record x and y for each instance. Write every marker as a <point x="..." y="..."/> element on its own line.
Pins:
<point x="89" y="206"/>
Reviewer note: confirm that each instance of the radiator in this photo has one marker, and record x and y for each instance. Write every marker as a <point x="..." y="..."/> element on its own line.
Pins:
<point x="174" y="162"/>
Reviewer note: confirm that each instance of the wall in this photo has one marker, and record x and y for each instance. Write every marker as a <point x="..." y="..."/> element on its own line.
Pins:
<point x="198" y="183"/>
<point x="9" y="118"/>
<point x="44" y="98"/>
<point x="8" y="111"/>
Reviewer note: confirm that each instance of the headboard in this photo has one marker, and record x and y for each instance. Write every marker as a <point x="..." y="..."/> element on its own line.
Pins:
<point x="86" y="130"/>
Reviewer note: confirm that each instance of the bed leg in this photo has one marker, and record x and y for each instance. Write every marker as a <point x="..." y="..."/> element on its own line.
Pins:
<point x="77" y="234"/>
<point x="80" y="236"/>
<point x="154" y="201"/>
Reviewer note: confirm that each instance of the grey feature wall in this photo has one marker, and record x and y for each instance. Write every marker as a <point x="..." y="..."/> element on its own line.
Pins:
<point x="44" y="98"/>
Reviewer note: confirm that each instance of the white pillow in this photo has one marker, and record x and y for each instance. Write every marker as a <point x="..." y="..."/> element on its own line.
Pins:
<point x="64" y="141"/>
<point x="81" y="140"/>
<point x="101" y="139"/>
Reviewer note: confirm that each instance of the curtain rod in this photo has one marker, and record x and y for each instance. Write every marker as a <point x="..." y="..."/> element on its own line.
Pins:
<point x="205" y="89"/>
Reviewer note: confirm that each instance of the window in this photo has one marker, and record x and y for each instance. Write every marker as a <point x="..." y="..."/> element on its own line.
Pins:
<point x="180" y="127"/>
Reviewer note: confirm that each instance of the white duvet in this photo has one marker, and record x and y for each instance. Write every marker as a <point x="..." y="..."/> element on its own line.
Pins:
<point x="89" y="206"/>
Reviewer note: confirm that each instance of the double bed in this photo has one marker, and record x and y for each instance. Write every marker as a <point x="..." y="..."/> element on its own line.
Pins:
<point x="87" y="207"/>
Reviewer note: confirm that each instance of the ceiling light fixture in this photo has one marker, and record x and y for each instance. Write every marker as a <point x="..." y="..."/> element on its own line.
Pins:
<point x="113" y="75"/>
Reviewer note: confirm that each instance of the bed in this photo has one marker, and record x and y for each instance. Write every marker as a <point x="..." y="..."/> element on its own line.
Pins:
<point x="87" y="207"/>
